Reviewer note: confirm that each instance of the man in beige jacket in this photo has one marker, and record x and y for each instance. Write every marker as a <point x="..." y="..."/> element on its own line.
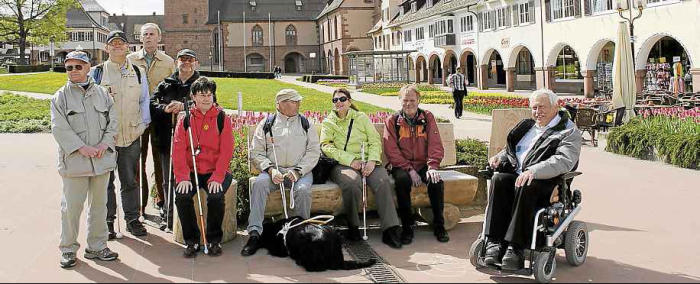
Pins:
<point x="297" y="150"/>
<point x="128" y="85"/>
<point x="84" y="123"/>
<point x="158" y="66"/>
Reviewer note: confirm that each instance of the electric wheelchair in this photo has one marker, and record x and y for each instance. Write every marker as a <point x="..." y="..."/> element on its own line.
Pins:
<point x="554" y="228"/>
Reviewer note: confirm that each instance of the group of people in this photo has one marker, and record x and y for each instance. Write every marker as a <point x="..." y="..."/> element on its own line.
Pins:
<point x="100" y="121"/>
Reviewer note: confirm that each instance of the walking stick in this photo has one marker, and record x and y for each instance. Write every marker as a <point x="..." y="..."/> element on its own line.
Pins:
<point x="140" y="185"/>
<point x="168" y="196"/>
<point x="364" y="195"/>
<point x="196" y="182"/>
<point x="281" y="184"/>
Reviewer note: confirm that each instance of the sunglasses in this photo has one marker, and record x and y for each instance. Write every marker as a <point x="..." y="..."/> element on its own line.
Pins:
<point x="341" y="99"/>
<point x="76" y="67"/>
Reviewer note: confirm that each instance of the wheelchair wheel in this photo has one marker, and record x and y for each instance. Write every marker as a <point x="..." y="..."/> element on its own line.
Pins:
<point x="576" y="243"/>
<point x="475" y="253"/>
<point x="544" y="269"/>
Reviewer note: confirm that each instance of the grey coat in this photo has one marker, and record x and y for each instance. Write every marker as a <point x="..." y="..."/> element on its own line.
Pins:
<point x="82" y="117"/>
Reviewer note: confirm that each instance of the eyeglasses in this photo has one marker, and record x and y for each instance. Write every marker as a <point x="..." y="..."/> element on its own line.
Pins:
<point x="186" y="59"/>
<point x="76" y="67"/>
<point x="341" y="99"/>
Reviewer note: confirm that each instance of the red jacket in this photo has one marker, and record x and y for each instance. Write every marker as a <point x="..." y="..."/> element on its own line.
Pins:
<point x="216" y="149"/>
<point x="417" y="145"/>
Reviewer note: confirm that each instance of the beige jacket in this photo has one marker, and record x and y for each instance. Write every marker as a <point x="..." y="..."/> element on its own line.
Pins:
<point x="296" y="149"/>
<point x="81" y="117"/>
<point x="130" y="100"/>
<point x="162" y="66"/>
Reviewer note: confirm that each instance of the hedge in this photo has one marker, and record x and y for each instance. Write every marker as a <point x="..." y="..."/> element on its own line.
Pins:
<point x="225" y="74"/>
<point x="28" y="68"/>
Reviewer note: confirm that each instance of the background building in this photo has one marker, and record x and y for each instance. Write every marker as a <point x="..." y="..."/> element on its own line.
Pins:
<point x="131" y="25"/>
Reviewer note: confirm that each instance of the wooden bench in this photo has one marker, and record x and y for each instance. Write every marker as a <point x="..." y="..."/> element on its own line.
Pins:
<point x="460" y="188"/>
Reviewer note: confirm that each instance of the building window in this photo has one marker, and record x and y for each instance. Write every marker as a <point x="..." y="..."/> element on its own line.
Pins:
<point x="429" y="3"/>
<point x="503" y="18"/>
<point x="291" y="35"/>
<point x="525" y="63"/>
<point x="323" y="36"/>
<point x="184" y="19"/>
<point x="563" y="9"/>
<point x="489" y="20"/>
<point x="466" y="24"/>
<point x="257" y="36"/>
<point x="420" y="33"/>
<point x="298" y="4"/>
<point x="414" y="7"/>
<point x="431" y="31"/>
<point x="598" y="6"/>
<point x="256" y="59"/>
<point x="337" y="33"/>
<point x="407" y="35"/>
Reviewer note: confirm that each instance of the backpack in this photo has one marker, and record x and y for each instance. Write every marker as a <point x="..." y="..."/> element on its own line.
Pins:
<point x="270" y="120"/>
<point x="99" y="69"/>
<point x="397" y="125"/>
<point x="219" y="121"/>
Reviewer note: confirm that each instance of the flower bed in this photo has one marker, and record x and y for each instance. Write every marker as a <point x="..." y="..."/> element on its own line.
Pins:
<point x="668" y="134"/>
<point x="380" y="88"/>
<point x="335" y="83"/>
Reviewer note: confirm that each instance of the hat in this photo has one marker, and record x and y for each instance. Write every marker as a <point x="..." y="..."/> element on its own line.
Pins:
<point x="116" y="34"/>
<point x="288" y="94"/>
<point x="77" y="55"/>
<point x="186" y="52"/>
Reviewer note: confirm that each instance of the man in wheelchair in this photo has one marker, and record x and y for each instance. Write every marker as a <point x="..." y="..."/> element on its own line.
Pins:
<point x="538" y="150"/>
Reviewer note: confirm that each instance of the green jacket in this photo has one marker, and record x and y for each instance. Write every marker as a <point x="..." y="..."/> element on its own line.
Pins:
<point x="334" y="132"/>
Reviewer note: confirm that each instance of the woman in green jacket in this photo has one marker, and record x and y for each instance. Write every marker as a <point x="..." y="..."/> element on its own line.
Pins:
<point x="350" y="170"/>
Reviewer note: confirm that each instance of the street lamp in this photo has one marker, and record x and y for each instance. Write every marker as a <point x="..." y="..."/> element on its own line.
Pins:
<point x="626" y="5"/>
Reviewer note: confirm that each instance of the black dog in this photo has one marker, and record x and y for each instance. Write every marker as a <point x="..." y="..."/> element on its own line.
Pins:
<point x="313" y="246"/>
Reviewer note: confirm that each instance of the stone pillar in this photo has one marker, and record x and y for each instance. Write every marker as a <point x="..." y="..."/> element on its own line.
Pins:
<point x="482" y="81"/>
<point x="639" y="76"/>
<point x="550" y="80"/>
<point x="695" y="73"/>
<point x="539" y="77"/>
<point x="588" y="84"/>
<point x="510" y="79"/>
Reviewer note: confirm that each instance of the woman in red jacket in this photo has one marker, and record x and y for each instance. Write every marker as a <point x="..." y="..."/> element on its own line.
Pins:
<point x="213" y="148"/>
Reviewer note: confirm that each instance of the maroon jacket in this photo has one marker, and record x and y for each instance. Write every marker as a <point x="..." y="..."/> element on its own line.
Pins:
<point x="418" y="144"/>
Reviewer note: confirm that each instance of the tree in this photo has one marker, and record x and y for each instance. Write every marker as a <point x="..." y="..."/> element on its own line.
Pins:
<point x="33" y="22"/>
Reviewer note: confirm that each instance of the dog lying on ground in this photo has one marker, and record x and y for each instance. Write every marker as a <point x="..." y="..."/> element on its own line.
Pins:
<point x="314" y="247"/>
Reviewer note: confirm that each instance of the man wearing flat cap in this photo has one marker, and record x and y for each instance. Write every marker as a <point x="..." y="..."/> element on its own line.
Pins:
<point x="126" y="83"/>
<point x="84" y="124"/>
<point x="296" y="151"/>
<point x="167" y="101"/>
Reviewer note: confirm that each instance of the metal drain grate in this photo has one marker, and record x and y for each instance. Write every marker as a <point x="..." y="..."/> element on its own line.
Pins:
<point x="381" y="272"/>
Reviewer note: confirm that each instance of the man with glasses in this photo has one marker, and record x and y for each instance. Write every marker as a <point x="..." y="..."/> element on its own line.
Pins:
<point x="167" y="101"/>
<point x="126" y="83"/>
<point x="158" y="66"/>
<point x="84" y="124"/>
<point x="297" y="150"/>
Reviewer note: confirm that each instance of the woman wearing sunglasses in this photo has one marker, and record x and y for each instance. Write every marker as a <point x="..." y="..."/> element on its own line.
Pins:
<point x="343" y="133"/>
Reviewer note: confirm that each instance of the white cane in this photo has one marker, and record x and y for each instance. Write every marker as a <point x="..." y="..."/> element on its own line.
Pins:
<point x="281" y="184"/>
<point x="168" y="196"/>
<point x="202" y="230"/>
<point x="364" y="195"/>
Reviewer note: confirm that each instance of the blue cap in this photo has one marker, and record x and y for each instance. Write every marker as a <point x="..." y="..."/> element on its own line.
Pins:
<point x="77" y="55"/>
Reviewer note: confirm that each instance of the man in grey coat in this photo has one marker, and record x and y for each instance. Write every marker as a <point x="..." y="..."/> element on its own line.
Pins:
<point x="84" y="125"/>
<point x="537" y="151"/>
<point x="296" y="151"/>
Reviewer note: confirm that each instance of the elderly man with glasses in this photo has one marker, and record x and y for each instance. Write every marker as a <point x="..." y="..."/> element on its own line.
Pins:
<point x="167" y="101"/>
<point x="127" y="84"/>
<point x="84" y="124"/>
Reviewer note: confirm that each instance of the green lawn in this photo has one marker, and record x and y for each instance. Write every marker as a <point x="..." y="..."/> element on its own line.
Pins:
<point x="46" y="83"/>
<point x="259" y="95"/>
<point x="23" y="114"/>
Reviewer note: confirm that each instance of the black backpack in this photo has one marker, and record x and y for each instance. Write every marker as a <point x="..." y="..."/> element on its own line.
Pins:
<point x="270" y="120"/>
<point x="99" y="69"/>
<point x="219" y="121"/>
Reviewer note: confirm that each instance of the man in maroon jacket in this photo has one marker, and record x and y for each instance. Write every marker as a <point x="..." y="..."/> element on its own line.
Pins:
<point x="413" y="146"/>
<point x="213" y="148"/>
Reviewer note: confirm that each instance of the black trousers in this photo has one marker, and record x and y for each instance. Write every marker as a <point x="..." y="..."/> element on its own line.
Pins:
<point x="436" y="193"/>
<point x="512" y="210"/>
<point x="215" y="211"/>
<point x="458" y="96"/>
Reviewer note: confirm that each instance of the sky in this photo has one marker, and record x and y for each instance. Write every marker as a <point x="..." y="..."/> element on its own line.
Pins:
<point x="132" y="7"/>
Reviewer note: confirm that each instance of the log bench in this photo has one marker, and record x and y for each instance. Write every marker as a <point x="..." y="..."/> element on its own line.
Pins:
<point x="229" y="225"/>
<point x="460" y="188"/>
